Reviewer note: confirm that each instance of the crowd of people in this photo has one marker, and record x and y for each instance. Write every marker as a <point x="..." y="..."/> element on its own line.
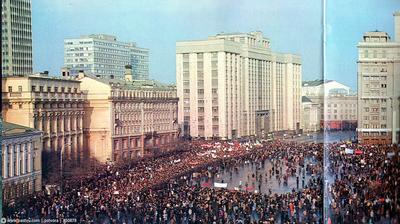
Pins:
<point x="365" y="184"/>
<point x="166" y="189"/>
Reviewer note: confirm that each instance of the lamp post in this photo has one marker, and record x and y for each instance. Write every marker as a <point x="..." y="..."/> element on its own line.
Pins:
<point x="61" y="164"/>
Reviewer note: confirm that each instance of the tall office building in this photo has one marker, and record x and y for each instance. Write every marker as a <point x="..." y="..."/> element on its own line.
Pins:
<point x="233" y="85"/>
<point x="16" y="37"/>
<point x="378" y="86"/>
<point x="105" y="56"/>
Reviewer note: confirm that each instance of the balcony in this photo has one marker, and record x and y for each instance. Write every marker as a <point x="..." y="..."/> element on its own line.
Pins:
<point x="59" y="96"/>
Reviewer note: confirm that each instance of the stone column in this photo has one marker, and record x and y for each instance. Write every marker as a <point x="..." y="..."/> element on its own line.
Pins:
<point x="11" y="168"/>
<point x="73" y="117"/>
<point x="5" y="158"/>
<point x="18" y="156"/>
<point x="74" y="148"/>
<point x="81" y="122"/>
<point x="56" y="146"/>
<point x="23" y="154"/>
<point x="28" y="154"/>
<point x="66" y="122"/>
<point x="66" y="147"/>
<point x="48" y="120"/>
<point x="44" y="123"/>
<point x="32" y="164"/>
<point x="80" y="147"/>
<point x="62" y="128"/>
<point x="57" y="123"/>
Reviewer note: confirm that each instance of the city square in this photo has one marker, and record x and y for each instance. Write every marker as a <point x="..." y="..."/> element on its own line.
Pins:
<point x="175" y="112"/>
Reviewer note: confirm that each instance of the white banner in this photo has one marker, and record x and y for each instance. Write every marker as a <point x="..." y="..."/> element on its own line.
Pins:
<point x="348" y="151"/>
<point x="221" y="185"/>
<point x="177" y="160"/>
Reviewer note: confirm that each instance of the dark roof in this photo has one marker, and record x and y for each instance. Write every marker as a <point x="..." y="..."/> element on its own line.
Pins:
<point x="11" y="129"/>
<point x="316" y="82"/>
<point x="305" y="99"/>
<point x="135" y="84"/>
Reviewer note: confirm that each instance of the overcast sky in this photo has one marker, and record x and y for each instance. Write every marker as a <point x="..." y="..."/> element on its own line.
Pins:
<point x="293" y="26"/>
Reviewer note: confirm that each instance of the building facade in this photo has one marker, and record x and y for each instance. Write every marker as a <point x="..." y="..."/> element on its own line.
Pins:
<point x="104" y="55"/>
<point x="321" y="88"/>
<point x="340" y="112"/>
<point x="16" y="37"/>
<point x="51" y="105"/>
<point x="21" y="150"/>
<point x="330" y="105"/>
<point x="229" y="81"/>
<point x="126" y="119"/>
<point x="311" y="113"/>
<point x="378" y="86"/>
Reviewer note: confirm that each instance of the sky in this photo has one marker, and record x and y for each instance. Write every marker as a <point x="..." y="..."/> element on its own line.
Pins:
<point x="158" y="25"/>
<point x="346" y="22"/>
<point x="292" y="26"/>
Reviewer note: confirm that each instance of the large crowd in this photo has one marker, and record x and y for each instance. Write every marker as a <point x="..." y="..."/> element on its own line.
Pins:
<point x="167" y="189"/>
<point x="365" y="184"/>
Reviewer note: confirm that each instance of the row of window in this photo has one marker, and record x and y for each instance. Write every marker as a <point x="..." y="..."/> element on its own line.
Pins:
<point x="374" y="109"/>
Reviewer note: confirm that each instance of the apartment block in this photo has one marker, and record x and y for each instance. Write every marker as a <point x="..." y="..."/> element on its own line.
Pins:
<point x="378" y="86"/>
<point x="104" y="55"/>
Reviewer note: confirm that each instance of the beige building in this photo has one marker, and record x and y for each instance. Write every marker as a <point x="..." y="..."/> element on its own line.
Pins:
<point x="378" y="86"/>
<point x="312" y="110"/>
<point x="229" y="84"/>
<point x="128" y="118"/>
<point x="328" y="105"/>
<point x="21" y="150"/>
<point x="52" y="105"/>
<point x="340" y="112"/>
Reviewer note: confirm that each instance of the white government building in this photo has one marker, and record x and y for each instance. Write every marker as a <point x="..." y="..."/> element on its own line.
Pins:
<point x="233" y="85"/>
<point x="104" y="55"/>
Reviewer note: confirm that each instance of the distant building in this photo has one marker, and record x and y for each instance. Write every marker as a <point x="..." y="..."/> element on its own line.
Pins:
<point x="51" y="105"/>
<point x="378" y="86"/>
<point x="104" y="55"/>
<point x="16" y="37"/>
<point x="233" y="85"/>
<point x="333" y="104"/>
<point x="320" y="88"/>
<point x="21" y="151"/>
<point x="127" y="119"/>
<point x="340" y="112"/>
<point x="311" y="120"/>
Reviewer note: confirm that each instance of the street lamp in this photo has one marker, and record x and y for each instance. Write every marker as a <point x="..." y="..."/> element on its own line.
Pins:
<point x="61" y="164"/>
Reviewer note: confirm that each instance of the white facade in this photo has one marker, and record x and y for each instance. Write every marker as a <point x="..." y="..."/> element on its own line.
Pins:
<point x="103" y="55"/>
<point x="321" y="88"/>
<point x="21" y="153"/>
<point x="311" y="115"/>
<point x="16" y="37"/>
<point x="332" y="105"/>
<point x="222" y="83"/>
<point x="378" y="86"/>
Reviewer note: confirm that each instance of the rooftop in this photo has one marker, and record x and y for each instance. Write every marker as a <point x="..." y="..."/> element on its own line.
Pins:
<point x="11" y="129"/>
<point x="42" y="76"/>
<point x="305" y="99"/>
<point x="135" y="84"/>
<point x="316" y="82"/>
